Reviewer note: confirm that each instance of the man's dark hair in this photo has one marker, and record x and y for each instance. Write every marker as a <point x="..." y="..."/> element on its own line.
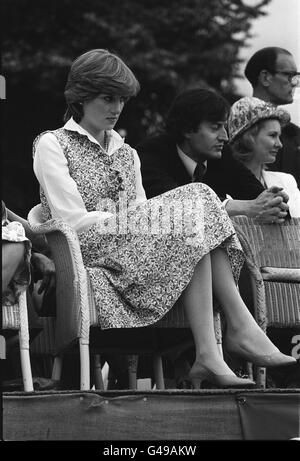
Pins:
<point x="264" y="59"/>
<point x="193" y="106"/>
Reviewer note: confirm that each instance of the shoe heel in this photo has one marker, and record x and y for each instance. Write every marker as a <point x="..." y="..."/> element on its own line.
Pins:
<point x="196" y="383"/>
<point x="184" y="383"/>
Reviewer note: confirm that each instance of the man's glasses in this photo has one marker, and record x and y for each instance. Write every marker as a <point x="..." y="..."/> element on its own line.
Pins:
<point x="293" y="77"/>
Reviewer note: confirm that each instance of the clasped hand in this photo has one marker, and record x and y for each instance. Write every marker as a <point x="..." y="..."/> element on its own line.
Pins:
<point x="271" y="206"/>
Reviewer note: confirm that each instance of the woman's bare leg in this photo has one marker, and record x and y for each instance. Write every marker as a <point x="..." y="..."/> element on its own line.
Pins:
<point x="198" y="305"/>
<point x="241" y="325"/>
<point x="214" y="271"/>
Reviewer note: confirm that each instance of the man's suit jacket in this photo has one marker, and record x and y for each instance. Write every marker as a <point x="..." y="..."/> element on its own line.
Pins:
<point x="288" y="158"/>
<point x="163" y="170"/>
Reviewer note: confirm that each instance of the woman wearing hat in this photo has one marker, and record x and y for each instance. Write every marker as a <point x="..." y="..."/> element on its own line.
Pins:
<point x="254" y="128"/>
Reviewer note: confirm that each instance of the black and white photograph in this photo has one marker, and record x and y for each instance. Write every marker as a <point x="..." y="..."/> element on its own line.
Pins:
<point x="150" y="223"/>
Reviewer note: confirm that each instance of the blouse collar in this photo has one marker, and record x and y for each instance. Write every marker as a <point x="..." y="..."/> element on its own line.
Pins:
<point x="115" y="141"/>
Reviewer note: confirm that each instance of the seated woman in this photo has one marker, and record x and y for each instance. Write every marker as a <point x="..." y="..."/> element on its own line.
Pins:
<point x="144" y="255"/>
<point x="254" y="128"/>
<point x="23" y="263"/>
<point x="16" y="253"/>
<point x="24" y="254"/>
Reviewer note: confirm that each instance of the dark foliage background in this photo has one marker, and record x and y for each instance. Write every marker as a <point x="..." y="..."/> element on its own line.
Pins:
<point x="169" y="44"/>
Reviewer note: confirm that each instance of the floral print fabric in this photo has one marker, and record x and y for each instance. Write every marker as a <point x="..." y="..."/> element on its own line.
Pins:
<point x="138" y="263"/>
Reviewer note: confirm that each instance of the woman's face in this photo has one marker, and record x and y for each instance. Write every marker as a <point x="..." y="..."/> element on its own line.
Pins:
<point x="103" y="111"/>
<point x="267" y="142"/>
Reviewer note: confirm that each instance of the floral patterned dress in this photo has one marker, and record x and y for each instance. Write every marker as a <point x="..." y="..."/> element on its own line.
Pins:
<point x="141" y="260"/>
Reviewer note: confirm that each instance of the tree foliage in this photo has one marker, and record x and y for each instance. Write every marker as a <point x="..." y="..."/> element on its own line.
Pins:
<point x="169" y="44"/>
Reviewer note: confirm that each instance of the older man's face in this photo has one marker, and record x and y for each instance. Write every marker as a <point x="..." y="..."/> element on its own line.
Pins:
<point x="280" y="89"/>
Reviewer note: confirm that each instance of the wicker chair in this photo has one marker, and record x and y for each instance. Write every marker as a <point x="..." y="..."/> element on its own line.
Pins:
<point x="77" y="315"/>
<point x="15" y="317"/>
<point x="273" y="260"/>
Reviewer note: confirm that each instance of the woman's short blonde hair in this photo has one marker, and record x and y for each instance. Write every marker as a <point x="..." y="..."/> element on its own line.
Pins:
<point x="243" y="145"/>
<point x="94" y="72"/>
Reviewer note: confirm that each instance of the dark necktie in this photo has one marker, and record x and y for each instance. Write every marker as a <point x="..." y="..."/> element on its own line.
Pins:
<point x="199" y="172"/>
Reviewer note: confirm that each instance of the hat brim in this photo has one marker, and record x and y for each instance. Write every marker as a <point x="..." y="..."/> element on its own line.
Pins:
<point x="279" y="114"/>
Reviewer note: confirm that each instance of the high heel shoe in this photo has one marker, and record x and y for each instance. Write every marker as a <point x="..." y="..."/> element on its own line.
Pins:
<point x="222" y="381"/>
<point x="184" y="382"/>
<point x="181" y="373"/>
<point x="276" y="359"/>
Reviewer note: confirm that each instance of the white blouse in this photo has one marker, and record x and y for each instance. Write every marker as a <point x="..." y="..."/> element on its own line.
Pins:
<point x="51" y="169"/>
<point x="289" y="185"/>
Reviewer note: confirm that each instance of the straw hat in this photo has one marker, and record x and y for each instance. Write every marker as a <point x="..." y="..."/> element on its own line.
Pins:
<point x="247" y="111"/>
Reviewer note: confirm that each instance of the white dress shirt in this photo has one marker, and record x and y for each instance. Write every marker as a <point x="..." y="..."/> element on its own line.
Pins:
<point x="51" y="169"/>
<point x="289" y="185"/>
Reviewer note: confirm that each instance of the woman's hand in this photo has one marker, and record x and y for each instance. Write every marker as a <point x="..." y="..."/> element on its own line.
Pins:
<point x="270" y="206"/>
<point x="278" y="191"/>
<point x="44" y="270"/>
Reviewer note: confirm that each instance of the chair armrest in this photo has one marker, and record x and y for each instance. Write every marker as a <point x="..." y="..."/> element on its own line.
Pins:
<point x="280" y="274"/>
<point x="56" y="225"/>
<point x="71" y="290"/>
<point x="39" y="226"/>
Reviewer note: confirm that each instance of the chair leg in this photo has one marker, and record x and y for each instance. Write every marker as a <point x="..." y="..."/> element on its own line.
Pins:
<point x="84" y="366"/>
<point x="98" y="372"/>
<point x="260" y="310"/>
<point x="250" y="370"/>
<point x="57" y="368"/>
<point x="158" y="372"/>
<point x="132" y="370"/>
<point x="111" y="379"/>
<point x="26" y="369"/>
<point x="218" y="332"/>
<point x="260" y="377"/>
<point x="2" y="348"/>
<point x="24" y="344"/>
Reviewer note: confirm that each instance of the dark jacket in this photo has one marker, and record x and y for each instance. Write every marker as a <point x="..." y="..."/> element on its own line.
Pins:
<point x="163" y="170"/>
<point x="288" y="158"/>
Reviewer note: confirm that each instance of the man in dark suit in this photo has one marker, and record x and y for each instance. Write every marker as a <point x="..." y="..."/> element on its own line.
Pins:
<point x="191" y="148"/>
<point x="273" y="75"/>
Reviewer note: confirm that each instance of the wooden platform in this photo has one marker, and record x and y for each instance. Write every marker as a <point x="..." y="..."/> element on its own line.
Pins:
<point x="152" y="415"/>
